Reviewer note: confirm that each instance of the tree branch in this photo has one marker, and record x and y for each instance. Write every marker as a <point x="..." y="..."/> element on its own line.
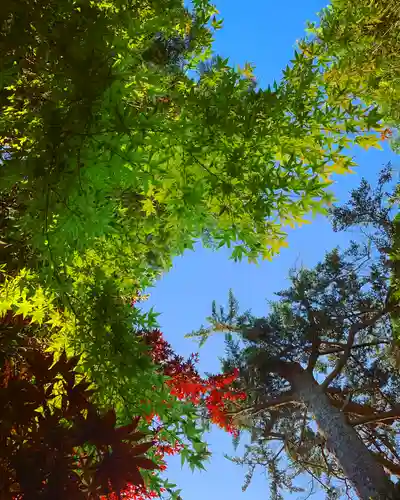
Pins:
<point x="342" y="347"/>
<point x="278" y="453"/>
<point x="276" y="435"/>
<point x="354" y="329"/>
<point x="283" y="400"/>
<point x="378" y="417"/>
<point x="388" y="464"/>
<point x="384" y="439"/>
<point x="350" y="390"/>
<point x="315" y="338"/>
<point x="351" y="407"/>
<point x="315" y="353"/>
<point x="342" y="360"/>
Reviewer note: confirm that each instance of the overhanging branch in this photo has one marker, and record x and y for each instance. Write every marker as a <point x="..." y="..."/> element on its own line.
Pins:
<point x="341" y="347"/>
<point x="354" y="329"/>
<point x="388" y="464"/>
<point x="273" y="403"/>
<point x="351" y="407"/>
<point x="378" y="417"/>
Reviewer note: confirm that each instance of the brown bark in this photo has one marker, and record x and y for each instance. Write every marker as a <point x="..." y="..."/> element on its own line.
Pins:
<point x="388" y="464"/>
<point x="335" y="348"/>
<point x="366" y="475"/>
<point x="352" y="407"/>
<point x="387" y="417"/>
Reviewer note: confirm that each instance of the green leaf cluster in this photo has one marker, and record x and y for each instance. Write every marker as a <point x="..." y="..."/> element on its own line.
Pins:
<point x="356" y="45"/>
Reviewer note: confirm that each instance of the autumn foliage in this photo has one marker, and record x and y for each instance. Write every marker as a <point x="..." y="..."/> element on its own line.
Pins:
<point x="55" y="443"/>
<point x="215" y="393"/>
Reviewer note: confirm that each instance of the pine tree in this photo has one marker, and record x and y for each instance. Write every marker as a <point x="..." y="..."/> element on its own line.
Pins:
<point x="321" y="369"/>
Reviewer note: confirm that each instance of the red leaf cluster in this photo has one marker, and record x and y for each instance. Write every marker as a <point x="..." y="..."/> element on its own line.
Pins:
<point x="55" y="443"/>
<point x="135" y="493"/>
<point x="216" y="393"/>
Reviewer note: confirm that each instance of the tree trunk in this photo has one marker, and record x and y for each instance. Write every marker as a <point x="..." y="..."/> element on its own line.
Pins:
<point x="366" y="475"/>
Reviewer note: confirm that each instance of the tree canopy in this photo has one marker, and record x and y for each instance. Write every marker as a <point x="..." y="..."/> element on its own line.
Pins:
<point x="124" y="140"/>
<point x="357" y="44"/>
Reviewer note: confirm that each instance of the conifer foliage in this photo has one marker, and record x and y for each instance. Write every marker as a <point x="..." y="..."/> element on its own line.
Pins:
<point x="321" y="369"/>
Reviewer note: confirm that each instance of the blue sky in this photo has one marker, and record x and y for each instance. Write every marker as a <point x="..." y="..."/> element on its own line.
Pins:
<point x="261" y="32"/>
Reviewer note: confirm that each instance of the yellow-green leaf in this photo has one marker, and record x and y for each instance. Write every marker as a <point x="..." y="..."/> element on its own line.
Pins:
<point x="38" y="316"/>
<point x="24" y="308"/>
<point x="369" y="141"/>
<point x="55" y="319"/>
<point x="148" y="207"/>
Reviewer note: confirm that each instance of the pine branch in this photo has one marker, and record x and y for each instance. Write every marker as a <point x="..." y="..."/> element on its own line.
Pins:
<point x="278" y="453"/>
<point x="388" y="464"/>
<point x="350" y="390"/>
<point x="384" y="439"/>
<point x="283" y="400"/>
<point x="316" y="341"/>
<point x="351" y="407"/>
<point x="354" y="329"/>
<point x="341" y="347"/>
<point x="276" y="436"/>
<point x="379" y="417"/>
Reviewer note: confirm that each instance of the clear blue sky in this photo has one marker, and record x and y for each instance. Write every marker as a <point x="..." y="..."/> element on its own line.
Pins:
<point x="262" y="32"/>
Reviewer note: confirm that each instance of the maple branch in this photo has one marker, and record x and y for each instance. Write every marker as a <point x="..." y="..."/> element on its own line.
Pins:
<point x="354" y="329"/>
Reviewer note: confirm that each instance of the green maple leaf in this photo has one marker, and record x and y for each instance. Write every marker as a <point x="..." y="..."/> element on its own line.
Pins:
<point x="4" y="306"/>
<point x="38" y="316"/>
<point x="55" y="320"/>
<point x="24" y="308"/>
<point x="148" y="206"/>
